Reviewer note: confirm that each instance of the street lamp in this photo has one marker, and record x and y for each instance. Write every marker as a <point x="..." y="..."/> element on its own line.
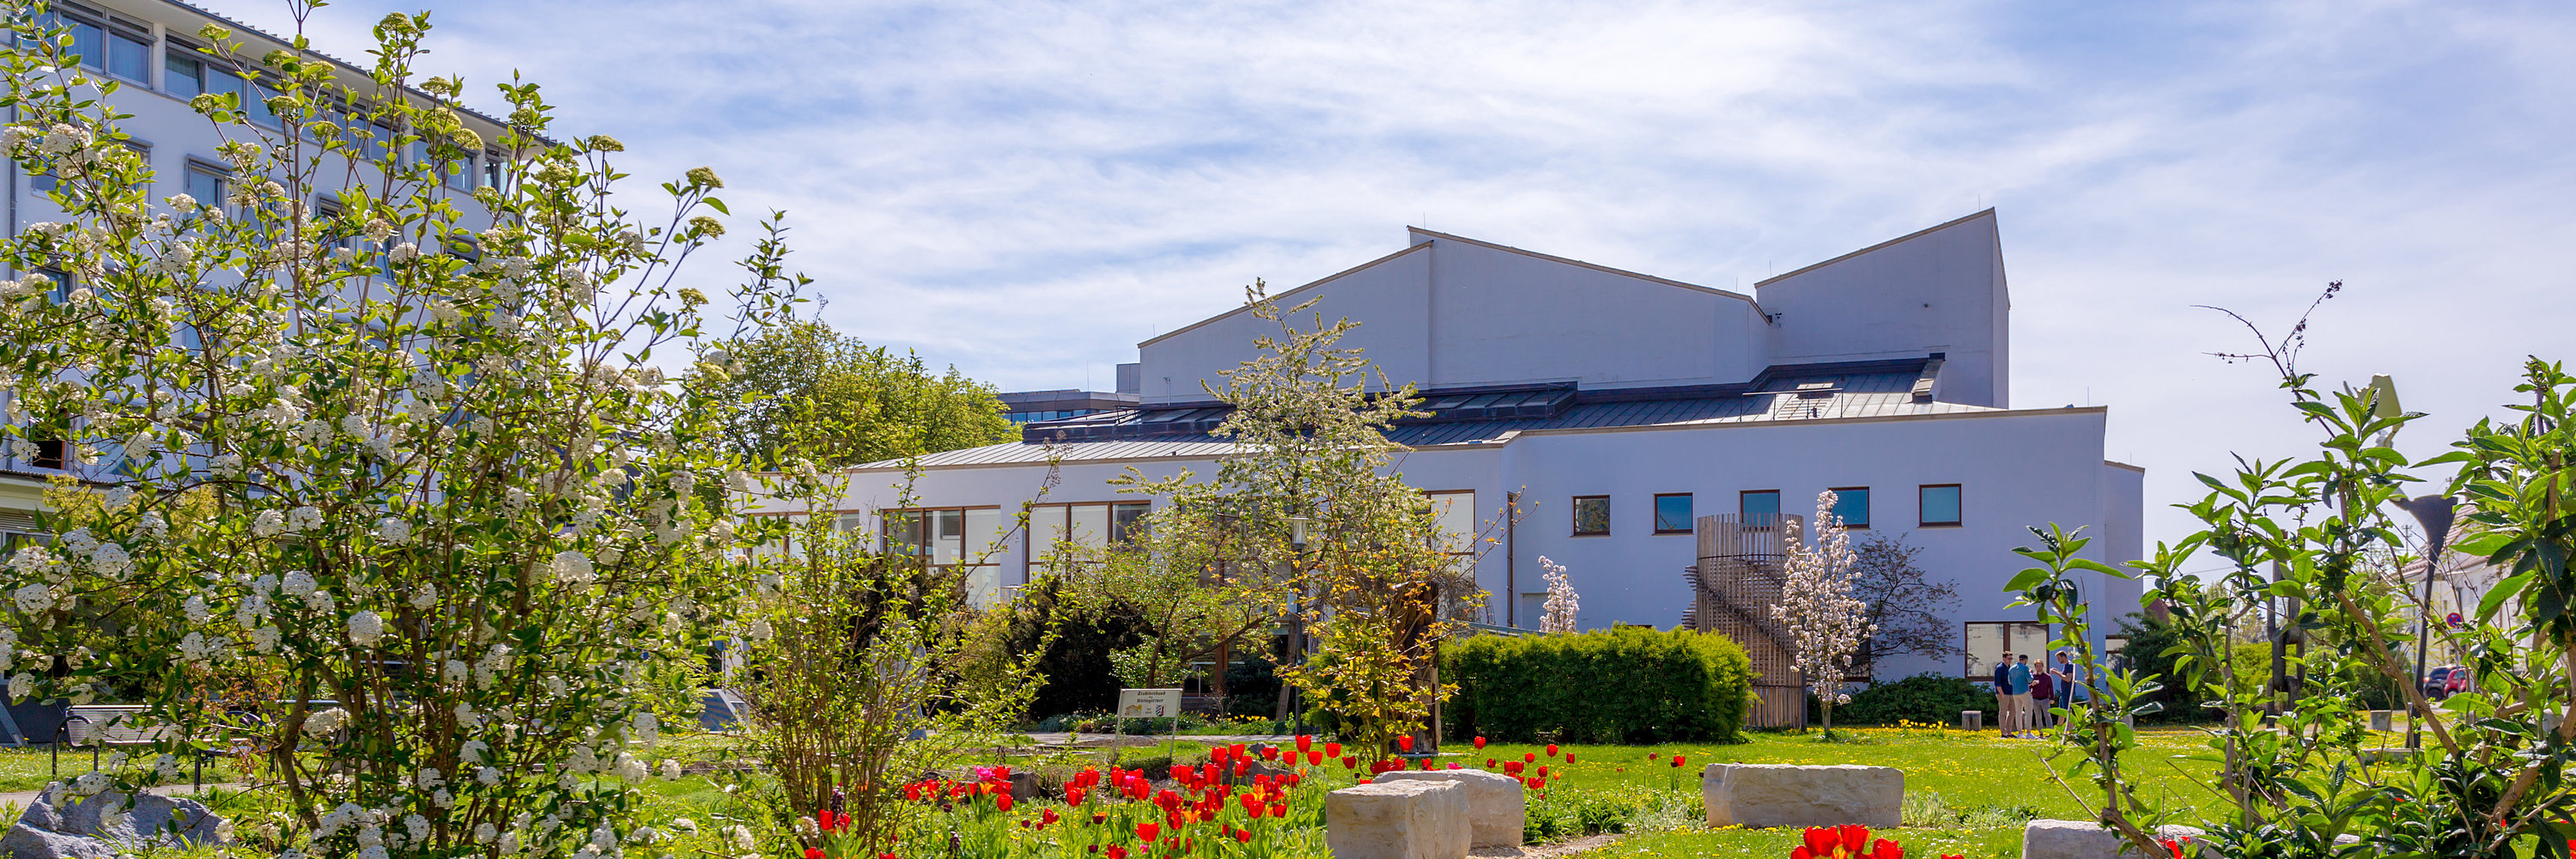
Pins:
<point x="2435" y="513"/>
<point x="1296" y="619"/>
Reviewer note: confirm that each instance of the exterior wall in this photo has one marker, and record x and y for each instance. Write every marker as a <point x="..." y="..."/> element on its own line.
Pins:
<point x="1450" y="312"/>
<point x="1940" y="290"/>
<point x="1389" y="296"/>
<point x="2015" y="469"/>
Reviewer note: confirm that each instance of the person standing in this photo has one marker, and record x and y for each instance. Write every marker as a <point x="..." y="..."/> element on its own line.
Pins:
<point x="2070" y="677"/>
<point x="2003" y="695"/>
<point x="2021" y="694"/>
<point x="2043" y="695"/>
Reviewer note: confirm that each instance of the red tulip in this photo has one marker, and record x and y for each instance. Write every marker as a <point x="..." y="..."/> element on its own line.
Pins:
<point x="1677" y="764"/>
<point x="1542" y="770"/>
<point x="1305" y="742"/>
<point x="1404" y="742"/>
<point x="1480" y="743"/>
<point x="1115" y="852"/>
<point x="1332" y="750"/>
<point x="1853" y="836"/>
<point x="1237" y="749"/>
<point x="1820" y="840"/>
<point x="1351" y="762"/>
<point x="1147" y="832"/>
<point x="1314" y="756"/>
<point x="1002" y="801"/>
<point x="1050" y="816"/>
<point x="1886" y="849"/>
<point x="1241" y="767"/>
<point x="1243" y="836"/>
<point x="1455" y="766"/>
<point x="1074" y="795"/>
<point x="1529" y="757"/>
<point x="1569" y="757"/>
<point x="813" y="853"/>
<point x="1279" y="809"/>
<point x="1551" y="750"/>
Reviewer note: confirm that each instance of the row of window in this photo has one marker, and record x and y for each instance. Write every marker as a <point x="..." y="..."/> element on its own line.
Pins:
<point x="1056" y="415"/>
<point x="124" y="48"/>
<point x="1936" y="506"/>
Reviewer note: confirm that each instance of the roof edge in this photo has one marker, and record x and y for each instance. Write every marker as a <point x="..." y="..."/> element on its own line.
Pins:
<point x="1988" y="213"/>
<point x="1158" y="338"/>
<point x="1576" y="262"/>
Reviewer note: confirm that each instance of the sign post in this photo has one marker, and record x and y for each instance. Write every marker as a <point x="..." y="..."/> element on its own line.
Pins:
<point x="1143" y="704"/>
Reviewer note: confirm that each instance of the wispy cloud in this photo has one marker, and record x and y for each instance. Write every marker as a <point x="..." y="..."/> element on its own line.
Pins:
<point x="1028" y="188"/>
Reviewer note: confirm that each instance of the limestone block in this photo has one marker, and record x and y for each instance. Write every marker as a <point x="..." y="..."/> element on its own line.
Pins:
<point x="1972" y="720"/>
<point x="1397" y="819"/>
<point x="2383" y="720"/>
<point x="1767" y="795"/>
<point x="2082" y="839"/>
<point x="1495" y="807"/>
<point x="75" y="829"/>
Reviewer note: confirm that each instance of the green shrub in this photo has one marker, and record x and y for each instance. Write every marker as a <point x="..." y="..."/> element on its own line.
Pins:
<point x="1933" y="698"/>
<point x="1627" y="685"/>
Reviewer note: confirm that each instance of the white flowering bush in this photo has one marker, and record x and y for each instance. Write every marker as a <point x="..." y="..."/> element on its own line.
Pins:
<point x="1562" y="604"/>
<point x="393" y="468"/>
<point x="1827" y="624"/>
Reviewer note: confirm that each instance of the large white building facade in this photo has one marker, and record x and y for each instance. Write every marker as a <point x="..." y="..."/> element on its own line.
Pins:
<point x="1613" y="410"/>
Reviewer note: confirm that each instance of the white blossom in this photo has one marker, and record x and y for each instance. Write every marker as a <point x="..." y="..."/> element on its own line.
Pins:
<point x="195" y="608"/>
<point x="264" y="639"/>
<point x="365" y="628"/>
<point x="671" y="770"/>
<point x="1827" y="625"/>
<point x="572" y="567"/>
<point x="326" y="722"/>
<point x="34" y="597"/>
<point x="1562" y="604"/>
<point x="298" y="584"/>
<point x="393" y="531"/>
<point x="267" y="524"/>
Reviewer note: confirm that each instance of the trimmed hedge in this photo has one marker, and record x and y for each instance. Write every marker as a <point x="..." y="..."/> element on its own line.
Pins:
<point x="1626" y="685"/>
<point x="1933" y="698"/>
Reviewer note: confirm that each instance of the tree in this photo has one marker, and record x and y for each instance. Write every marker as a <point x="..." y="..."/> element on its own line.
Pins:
<point x="1827" y="624"/>
<point x="1562" y="604"/>
<point x="1181" y="585"/>
<point x="1911" y="613"/>
<point x="838" y="401"/>
<point x="1374" y="584"/>
<point x="420" y="489"/>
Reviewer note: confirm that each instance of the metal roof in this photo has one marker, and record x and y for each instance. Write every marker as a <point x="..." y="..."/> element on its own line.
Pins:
<point x="1778" y="400"/>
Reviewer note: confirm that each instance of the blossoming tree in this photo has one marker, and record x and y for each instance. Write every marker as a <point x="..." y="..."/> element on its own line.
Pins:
<point x="1558" y="614"/>
<point x="399" y="472"/>
<point x="1827" y="624"/>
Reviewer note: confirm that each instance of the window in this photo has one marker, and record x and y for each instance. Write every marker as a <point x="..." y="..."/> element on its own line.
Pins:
<point x="1940" y="505"/>
<point x="1096" y="525"/>
<point x="1591" y="515"/>
<point x="941" y="537"/>
<point x="1988" y="640"/>
<point x="1851" y="504"/>
<point x="1758" y="508"/>
<point x="183" y="71"/>
<point x="1454" y="513"/>
<point x="495" y="169"/>
<point x="1673" y="513"/>
<point x="207" y="184"/>
<point x="457" y="173"/>
<point x="129" y="52"/>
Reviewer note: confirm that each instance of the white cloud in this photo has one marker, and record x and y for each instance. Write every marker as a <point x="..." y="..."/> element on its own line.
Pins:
<point x="1028" y="188"/>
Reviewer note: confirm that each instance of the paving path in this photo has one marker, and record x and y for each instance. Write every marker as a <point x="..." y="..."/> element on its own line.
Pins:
<point x="23" y="798"/>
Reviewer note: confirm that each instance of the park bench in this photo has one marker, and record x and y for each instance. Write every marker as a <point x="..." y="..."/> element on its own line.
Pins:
<point x="102" y="726"/>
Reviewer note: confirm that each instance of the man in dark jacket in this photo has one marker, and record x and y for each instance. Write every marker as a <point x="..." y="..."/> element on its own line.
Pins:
<point x="2003" y="694"/>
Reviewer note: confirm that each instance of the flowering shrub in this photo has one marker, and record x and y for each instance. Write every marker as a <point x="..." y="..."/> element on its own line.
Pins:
<point x="1826" y="623"/>
<point x="391" y="465"/>
<point x="1562" y="604"/>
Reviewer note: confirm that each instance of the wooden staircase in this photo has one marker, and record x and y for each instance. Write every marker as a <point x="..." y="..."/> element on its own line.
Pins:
<point x="1736" y="582"/>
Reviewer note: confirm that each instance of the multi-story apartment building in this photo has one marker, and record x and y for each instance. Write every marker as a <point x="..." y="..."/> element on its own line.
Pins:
<point x="1618" y="413"/>
<point x="152" y="49"/>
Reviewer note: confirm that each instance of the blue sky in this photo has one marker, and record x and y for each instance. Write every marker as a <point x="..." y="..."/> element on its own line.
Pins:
<point x="1027" y="189"/>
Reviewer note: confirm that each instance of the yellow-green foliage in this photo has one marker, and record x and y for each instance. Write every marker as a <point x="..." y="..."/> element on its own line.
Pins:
<point x="1622" y="685"/>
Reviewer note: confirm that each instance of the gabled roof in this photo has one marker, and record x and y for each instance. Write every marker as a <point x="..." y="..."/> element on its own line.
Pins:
<point x="1988" y="213"/>
<point x="1285" y="298"/>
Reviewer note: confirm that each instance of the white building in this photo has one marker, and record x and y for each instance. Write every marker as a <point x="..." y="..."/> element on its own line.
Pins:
<point x="152" y="50"/>
<point x="1616" y="408"/>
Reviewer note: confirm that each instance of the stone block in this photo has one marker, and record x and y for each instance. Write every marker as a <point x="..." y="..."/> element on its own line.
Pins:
<point x="1972" y="720"/>
<point x="1397" y="819"/>
<point x="2383" y="720"/>
<point x="1495" y="806"/>
<point x="1767" y="795"/>
<point x="2083" y="839"/>
<point x="82" y="829"/>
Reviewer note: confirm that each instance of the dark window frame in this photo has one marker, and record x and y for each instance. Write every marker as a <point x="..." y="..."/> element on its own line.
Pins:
<point x="1575" y="507"/>
<point x="1689" y="524"/>
<point x="1959" y="505"/>
<point x="1745" y="520"/>
<point x="1864" y="506"/>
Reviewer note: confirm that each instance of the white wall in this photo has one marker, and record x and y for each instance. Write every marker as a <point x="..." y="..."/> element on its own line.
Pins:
<point x="2015" y="469"/>
<point x="1941" y="290"/>
<point x="1450" y="312"/>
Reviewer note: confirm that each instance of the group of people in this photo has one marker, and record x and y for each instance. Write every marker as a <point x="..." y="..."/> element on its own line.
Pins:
<point x="2024" y="695"/>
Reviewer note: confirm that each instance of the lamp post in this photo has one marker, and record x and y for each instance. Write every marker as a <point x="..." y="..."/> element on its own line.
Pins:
<point x="1297" y="526"/>
<point x="2435" y="513"/>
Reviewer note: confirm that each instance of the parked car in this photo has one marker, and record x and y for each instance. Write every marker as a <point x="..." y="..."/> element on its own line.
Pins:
<point x="2459" y="680"/>
<point x="2437" y="683"/>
